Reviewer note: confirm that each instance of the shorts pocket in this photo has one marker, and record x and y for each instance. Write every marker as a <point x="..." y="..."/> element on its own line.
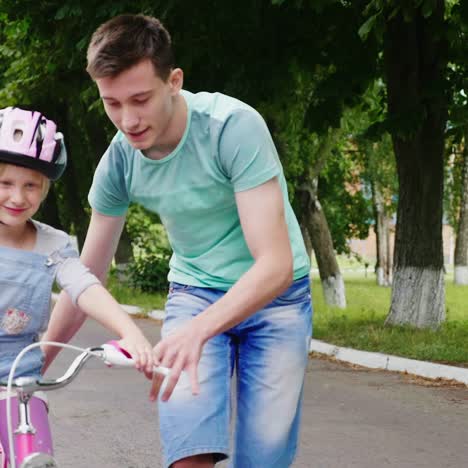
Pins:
<point x="177" y="287"/>
<point x="15" y="308"/>
<point x="298" y="292"/>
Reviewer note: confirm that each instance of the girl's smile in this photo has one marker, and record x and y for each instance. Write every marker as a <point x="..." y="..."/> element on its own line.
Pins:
<point x="15" y="211"/>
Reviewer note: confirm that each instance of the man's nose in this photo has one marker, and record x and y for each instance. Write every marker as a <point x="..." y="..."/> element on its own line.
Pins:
<point x="130" y="120"/>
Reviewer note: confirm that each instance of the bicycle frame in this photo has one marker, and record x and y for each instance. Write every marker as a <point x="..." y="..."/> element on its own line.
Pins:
<point x="25" y="387"/>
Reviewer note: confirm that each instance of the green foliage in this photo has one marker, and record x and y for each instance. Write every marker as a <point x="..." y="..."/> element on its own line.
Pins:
<point x="248" y="59"/>
<point x="457" y="133"/>
<point x="347" y="208"/>
<point x="381" y="11"/>
<point x="371" y="145"/>
<point x="151" y="251"/>
<point x="47" y="71"/>
<point x="149" y="270"/>
<point x="145" y="227"/>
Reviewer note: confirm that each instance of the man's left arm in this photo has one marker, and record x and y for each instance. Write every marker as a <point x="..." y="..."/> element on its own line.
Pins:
<point x="262" y="216"/>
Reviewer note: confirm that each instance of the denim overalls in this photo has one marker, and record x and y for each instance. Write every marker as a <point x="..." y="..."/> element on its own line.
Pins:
<point x="26" y="280"/>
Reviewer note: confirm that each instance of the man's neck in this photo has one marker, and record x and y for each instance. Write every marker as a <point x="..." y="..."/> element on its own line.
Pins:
<point x="173" y="133"/>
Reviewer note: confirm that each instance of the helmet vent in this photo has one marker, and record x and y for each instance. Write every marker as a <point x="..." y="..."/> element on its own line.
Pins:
<point x="18" y="134"/>
<point x="42" y="129"/>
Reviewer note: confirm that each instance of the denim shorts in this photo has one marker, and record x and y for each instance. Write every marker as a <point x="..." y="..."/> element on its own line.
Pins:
<point x="268" y="355"/>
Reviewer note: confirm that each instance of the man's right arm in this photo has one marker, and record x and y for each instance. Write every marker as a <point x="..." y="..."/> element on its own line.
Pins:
<point x="98" y="251"/>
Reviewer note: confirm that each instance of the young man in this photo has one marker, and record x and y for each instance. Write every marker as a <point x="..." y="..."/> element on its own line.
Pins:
<point x="239" y="294"/>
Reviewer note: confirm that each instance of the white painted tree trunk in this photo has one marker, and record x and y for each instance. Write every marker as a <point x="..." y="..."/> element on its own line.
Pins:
<point x="418" y="297"/>
<point x="385" y="260"/>
<point x="332" y="281"/>
<point x="317" y="236"/>
<point x="382" y="237"/>
<point x="461" y="275"/>
<point x="415" y="61"/>
<point x="334" y="291"/>
<point x="381" y="276"/>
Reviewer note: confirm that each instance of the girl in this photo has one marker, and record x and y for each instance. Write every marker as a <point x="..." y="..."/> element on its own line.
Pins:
<point x="33" y="255"/>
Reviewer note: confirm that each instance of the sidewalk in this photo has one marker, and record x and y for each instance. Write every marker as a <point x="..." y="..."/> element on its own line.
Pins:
<point x="367" y="359"/>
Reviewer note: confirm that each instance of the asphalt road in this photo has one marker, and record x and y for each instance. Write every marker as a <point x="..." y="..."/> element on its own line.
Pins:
<point x="352" y="417"/>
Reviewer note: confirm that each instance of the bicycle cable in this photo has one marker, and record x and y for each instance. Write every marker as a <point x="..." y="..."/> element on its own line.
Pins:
<point x="11" y="444"/>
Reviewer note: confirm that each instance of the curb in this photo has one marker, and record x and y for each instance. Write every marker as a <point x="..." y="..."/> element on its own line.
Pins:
<point x="371" y="360"/>
<point x="367" y="359"/>
<point x="392" y="363"/>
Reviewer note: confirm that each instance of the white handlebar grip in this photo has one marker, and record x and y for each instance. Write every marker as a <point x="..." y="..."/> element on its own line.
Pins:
<point x="116" y="356"/>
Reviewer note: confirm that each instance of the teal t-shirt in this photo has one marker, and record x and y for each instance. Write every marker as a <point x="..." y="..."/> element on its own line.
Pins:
<point x="226" y="148"/>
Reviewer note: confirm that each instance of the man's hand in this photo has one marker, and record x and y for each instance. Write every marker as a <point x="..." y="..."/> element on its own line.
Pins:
<point x="180" y="351"/>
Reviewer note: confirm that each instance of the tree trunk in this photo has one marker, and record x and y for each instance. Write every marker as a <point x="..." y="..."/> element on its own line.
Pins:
<point x="123" y="255"/>
<point x="50" y="211"/>
<point x="415" y="60"/>
<point x="74" y="213"/>
<point x="307" y="241"/>
<point x="313" y="218"/>
<point x="383" y="267"/>
<point x="461" y="246"/>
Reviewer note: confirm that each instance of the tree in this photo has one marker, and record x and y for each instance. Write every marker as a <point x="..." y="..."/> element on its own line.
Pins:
<point x="315" y="226"/>
<point x="247" y="59"/>
<point x="461" y="248"/>
<point x="457" y="169"/>
<point x="304" y="154"/>
<point x="415" y="58"/>
<point x="380" y="174"/>
<point x="369" y="148"/>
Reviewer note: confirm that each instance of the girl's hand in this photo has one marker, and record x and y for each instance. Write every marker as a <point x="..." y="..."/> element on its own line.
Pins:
<point x="141" y="351"/>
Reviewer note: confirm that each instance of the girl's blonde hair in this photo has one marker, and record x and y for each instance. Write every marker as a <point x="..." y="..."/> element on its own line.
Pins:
<point x="45" y="180"/>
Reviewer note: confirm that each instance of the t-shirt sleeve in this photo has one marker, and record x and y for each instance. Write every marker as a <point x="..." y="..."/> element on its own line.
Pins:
<point x="108" y="194"/>
<point x="247" y="153"/>
<point x="71" y="275"/>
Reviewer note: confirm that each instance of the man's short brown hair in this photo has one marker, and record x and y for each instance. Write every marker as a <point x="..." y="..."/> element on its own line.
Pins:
<point x="126" y="40"/>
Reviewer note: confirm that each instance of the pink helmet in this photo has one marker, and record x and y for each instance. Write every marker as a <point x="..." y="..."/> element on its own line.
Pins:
<point x="28" y="139"/>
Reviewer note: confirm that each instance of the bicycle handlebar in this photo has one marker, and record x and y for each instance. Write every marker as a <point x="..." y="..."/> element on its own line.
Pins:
<point x="110" y="353"/>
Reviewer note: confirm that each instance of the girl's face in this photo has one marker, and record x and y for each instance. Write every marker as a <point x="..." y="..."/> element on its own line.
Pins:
<point x="21" y="193"/>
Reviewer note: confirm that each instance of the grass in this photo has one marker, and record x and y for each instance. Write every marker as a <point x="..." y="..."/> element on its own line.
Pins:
<point x="361" y="324"/>
<point x="126" y="295"/>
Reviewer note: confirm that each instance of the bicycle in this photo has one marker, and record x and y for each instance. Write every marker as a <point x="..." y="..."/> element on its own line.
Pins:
<point x="21" y="441"/>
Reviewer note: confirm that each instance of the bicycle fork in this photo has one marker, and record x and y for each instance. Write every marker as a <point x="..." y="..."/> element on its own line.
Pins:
<point x="24" y="438"/>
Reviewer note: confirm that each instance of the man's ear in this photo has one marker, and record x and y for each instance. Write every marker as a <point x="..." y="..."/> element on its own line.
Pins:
<point x="176" y="80"/>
